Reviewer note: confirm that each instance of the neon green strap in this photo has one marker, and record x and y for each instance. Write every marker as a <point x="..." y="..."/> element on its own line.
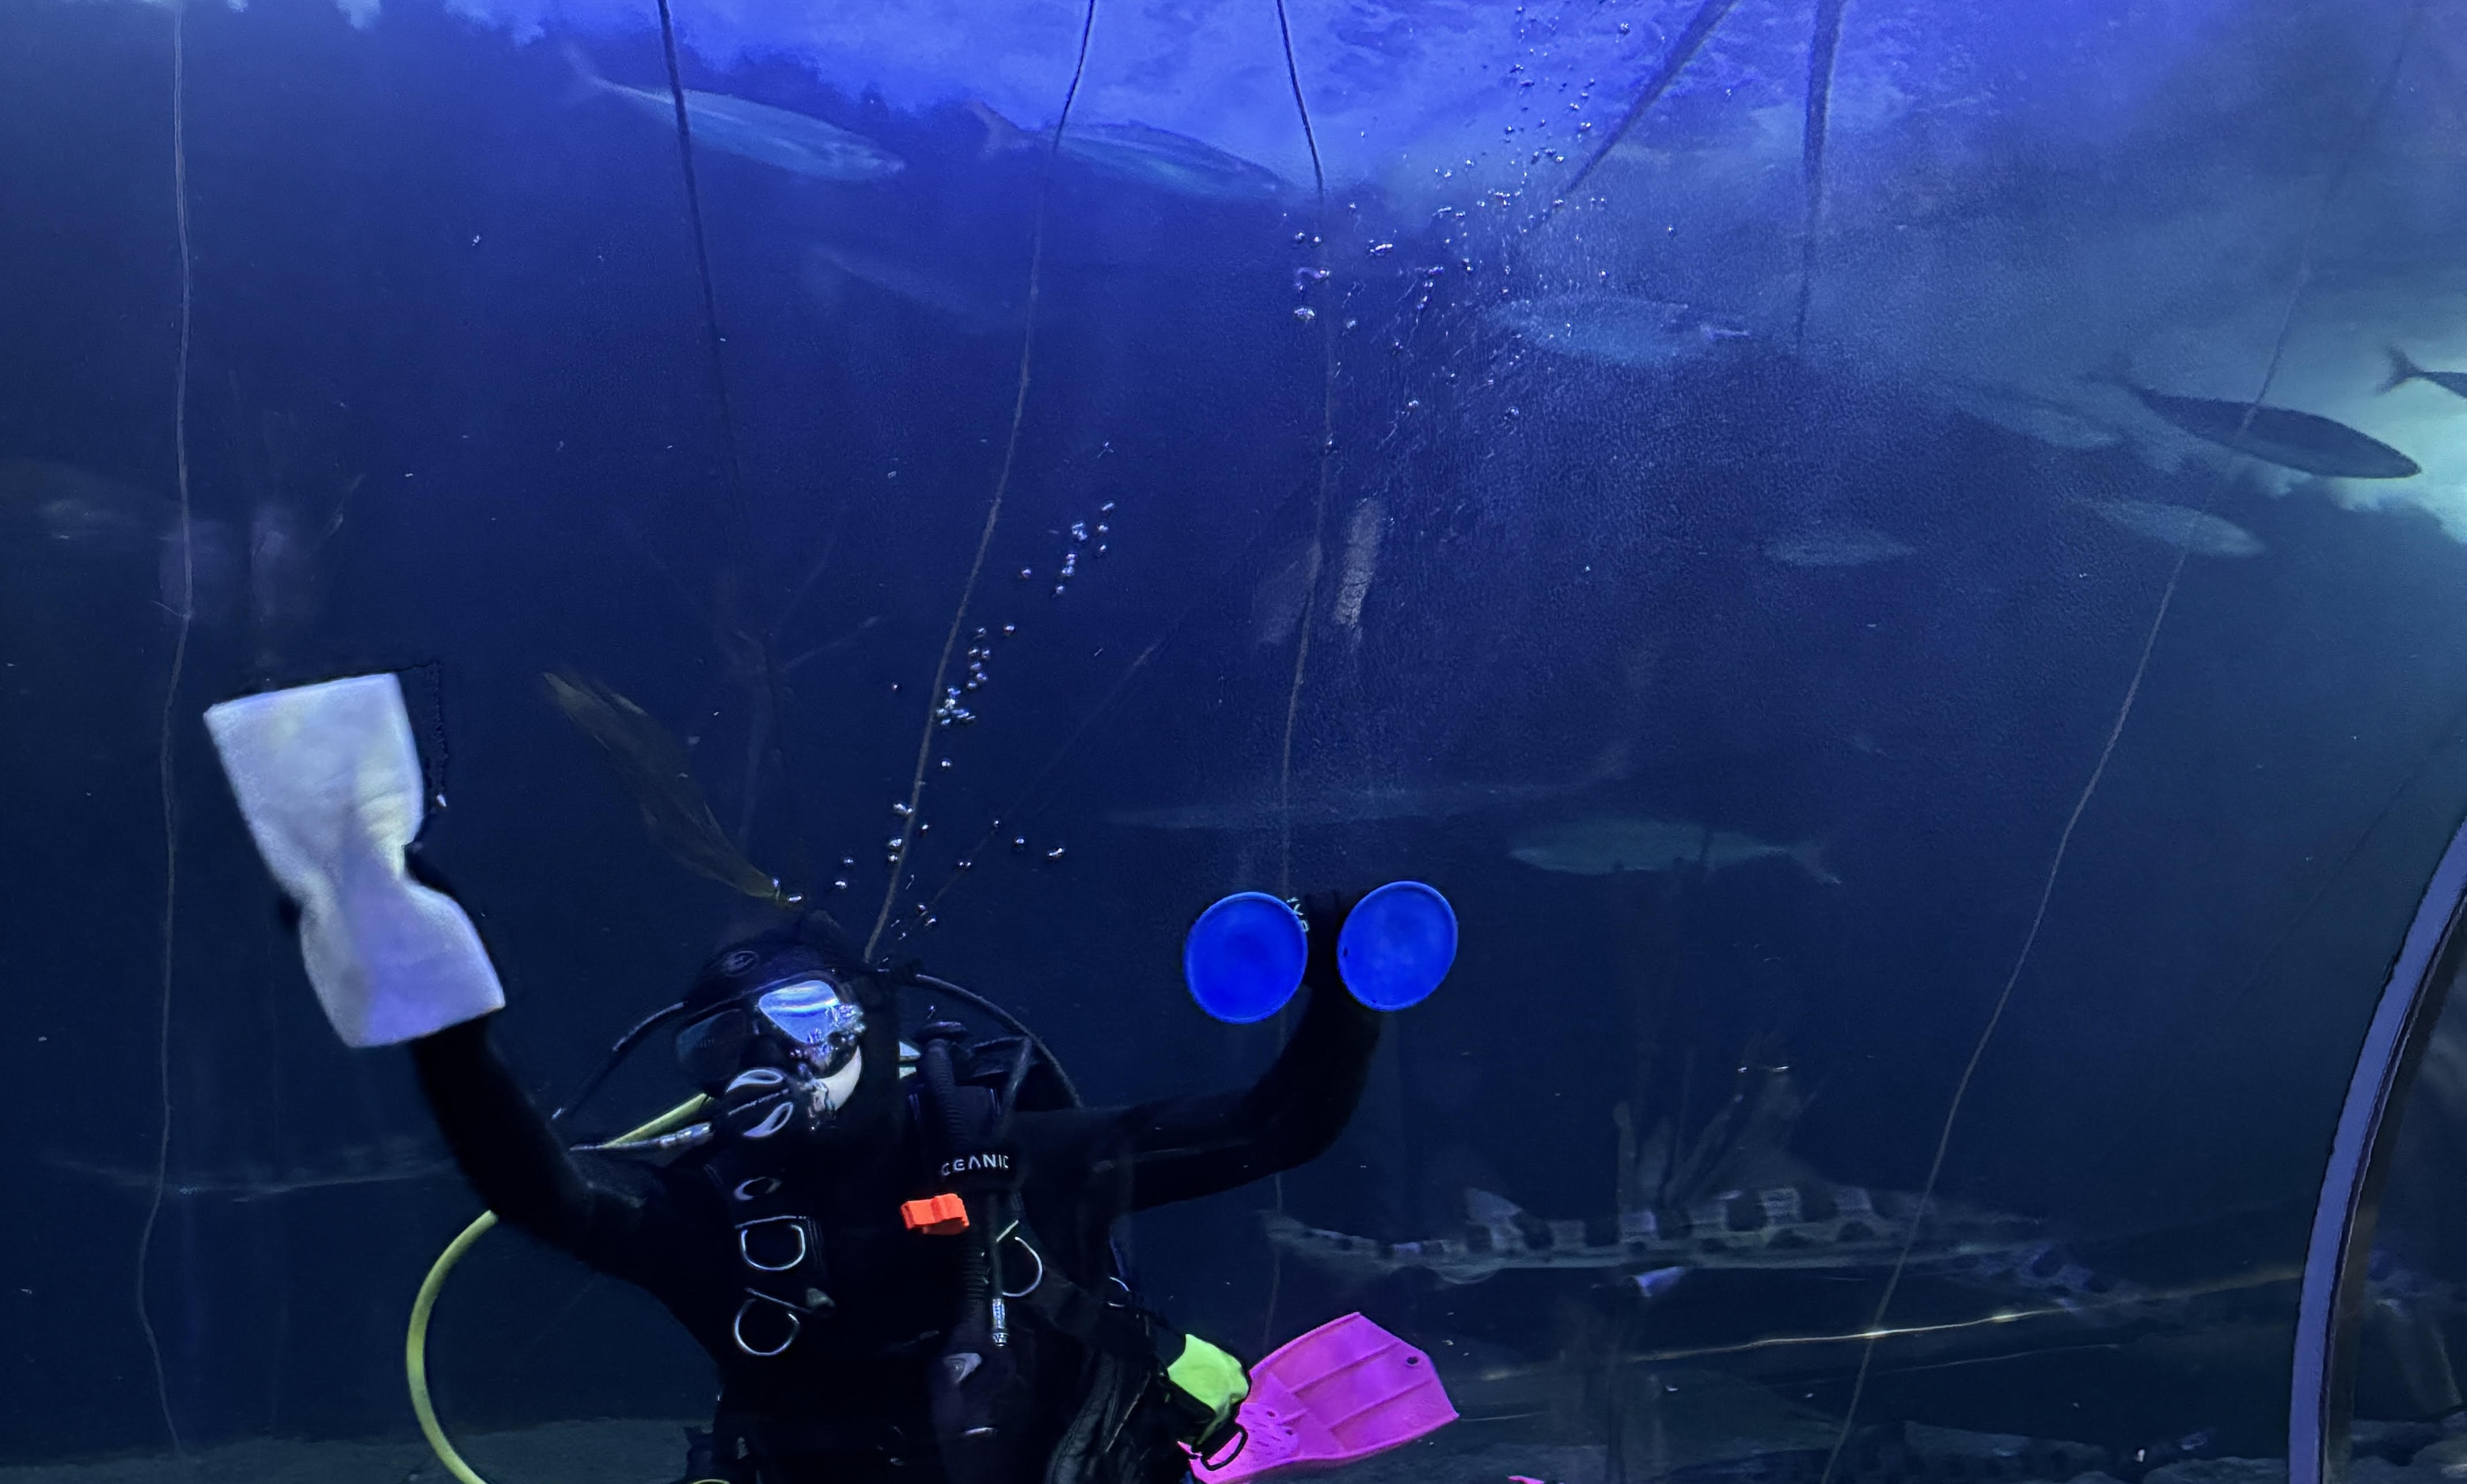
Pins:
<point x="1210" y="1377"/>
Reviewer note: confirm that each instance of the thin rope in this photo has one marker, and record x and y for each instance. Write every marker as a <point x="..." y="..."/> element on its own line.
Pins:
<point x="167" y="775"/>
<point x="1026" y="800"/>
<point x="1823" y="46"/>
<point x="740" y="508"/>
<point x="1315" y="560"/>
<point x="1700" y="30"/>
<point x="1327" y="472"/>
<point x="2107" y="751"/>
<point x="908" y="821"/>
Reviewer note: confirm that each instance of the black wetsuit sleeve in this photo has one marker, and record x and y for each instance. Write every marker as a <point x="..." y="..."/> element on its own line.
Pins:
<point x="606" y="1212"/>
<point x="1181" y="1148"/>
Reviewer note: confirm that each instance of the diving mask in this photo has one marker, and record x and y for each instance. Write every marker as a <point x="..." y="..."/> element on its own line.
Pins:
<point x="805" y="1019"/>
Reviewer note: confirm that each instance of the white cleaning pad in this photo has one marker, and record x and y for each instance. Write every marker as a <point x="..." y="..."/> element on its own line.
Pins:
<point x="330" y="781"/>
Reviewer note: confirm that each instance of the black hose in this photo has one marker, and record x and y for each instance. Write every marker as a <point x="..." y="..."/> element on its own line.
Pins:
<point x="617" y="1054"/>
<point x="1008" y="1021"/>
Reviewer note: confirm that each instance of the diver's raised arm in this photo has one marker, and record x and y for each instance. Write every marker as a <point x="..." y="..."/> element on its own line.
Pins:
<point x="510" y="1153"/>
<point x="1177" y="1149"/>
<point x="329" y="782"/>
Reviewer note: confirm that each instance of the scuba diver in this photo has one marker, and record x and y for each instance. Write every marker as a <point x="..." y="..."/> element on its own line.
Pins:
<point x="894" y="1242"/>
<point x="894" y="1272"/>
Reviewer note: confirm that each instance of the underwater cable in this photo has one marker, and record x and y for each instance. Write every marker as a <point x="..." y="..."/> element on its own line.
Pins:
<point x="740" y="510"/>
<point x="934" y="713"/>
<point x="1822" y="45"/>
<point x="1026" y="801"/>
<point x="1327" y="465"/>
<point x="1700" y="30"/>
<point x="171" y="693"/>
<point x="2365" y="131"/>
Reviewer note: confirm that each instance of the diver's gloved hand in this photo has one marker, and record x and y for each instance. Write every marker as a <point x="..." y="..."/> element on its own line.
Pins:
<point x="1323" y="914"/>
<point x="329" y="782"/>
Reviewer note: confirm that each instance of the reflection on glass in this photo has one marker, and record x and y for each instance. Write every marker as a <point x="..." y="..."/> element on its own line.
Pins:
<point x="2399" y="1325"/>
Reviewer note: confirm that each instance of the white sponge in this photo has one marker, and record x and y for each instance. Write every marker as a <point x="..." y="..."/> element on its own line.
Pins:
<point x="330" y="781"/>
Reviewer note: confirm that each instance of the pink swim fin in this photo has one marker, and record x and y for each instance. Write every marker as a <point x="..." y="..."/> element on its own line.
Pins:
<point x="1346" y="1390"/>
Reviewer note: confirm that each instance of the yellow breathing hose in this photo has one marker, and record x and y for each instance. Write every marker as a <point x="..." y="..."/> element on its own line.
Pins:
<point x="414" y="1347"/>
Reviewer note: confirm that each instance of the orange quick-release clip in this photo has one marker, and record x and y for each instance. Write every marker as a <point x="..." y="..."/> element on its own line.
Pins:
<point x="935" y="1216"/>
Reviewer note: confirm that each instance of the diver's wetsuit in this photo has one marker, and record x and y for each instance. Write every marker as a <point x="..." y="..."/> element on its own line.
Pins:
<point x="847" y="1400"/>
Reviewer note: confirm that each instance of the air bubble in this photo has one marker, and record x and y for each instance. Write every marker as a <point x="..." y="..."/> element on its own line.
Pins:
<point x="1020" y="843"/>
<point x="1026" y="573"/>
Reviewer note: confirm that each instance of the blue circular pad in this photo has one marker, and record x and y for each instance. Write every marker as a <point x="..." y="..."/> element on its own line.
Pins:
<point x="1396" y="945"/>
<point x="1243" y="958"/>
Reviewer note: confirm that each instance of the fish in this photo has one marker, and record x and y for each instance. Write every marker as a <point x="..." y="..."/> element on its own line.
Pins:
<point x="201" y="567"/>
<point x="1276" y="603"/>
<point x="1615" y="330"/>
<point x="1361" y="563"/>
<point x="70" y="504"/>
<point x="1658" y="1283"/>
<point x="781" y="138"/>
<point x="2182" y="527"/>
<point x="1145" y="155"/>
<point x="2404" y="371"/>
<point x="653" y="766"/>
<point x="963" y="301"/>
<point x="2282" y="436"/>
<point x="1808" y="1226"/>
<point x="1733" y="1200"/>
<point x="1607" y="845"/>
<point x="1837" y="545"/>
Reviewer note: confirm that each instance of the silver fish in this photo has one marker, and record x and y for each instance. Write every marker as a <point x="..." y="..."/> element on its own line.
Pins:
<point x="1607" y="845"/>
<point x="1276" y="603"/>
<point x="1615" y="330"/>
<point x="1145" y="155"/>
<point x="2402" y="371"/>
<point x="1361" y="563"/>
<point x="67" y="504"/>
<point x="1809" y="1226"/>
<point x="1837" y="545"/>
<point x="2197" y="531"/>
<point x="2276" y="435"/>
<point x="796" y="142"/>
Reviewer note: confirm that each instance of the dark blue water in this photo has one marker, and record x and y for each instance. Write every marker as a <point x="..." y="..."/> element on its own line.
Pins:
<point x="450" y="324"/>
